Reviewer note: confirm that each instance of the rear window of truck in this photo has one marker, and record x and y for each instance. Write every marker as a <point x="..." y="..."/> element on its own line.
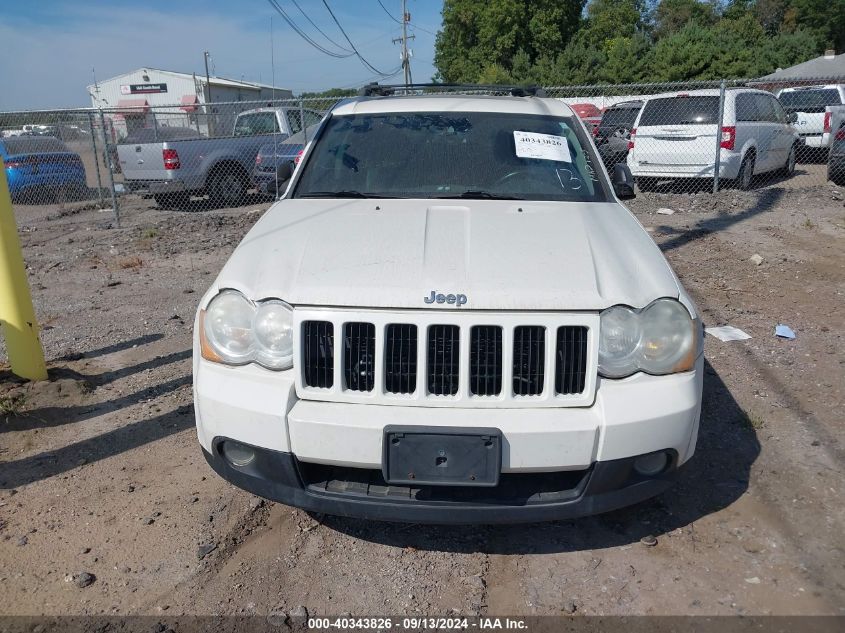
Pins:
<point x="810" y="100"/>
<point x="681" y="111"/>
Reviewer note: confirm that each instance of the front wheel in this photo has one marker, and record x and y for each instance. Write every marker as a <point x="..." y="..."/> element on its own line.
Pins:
<point x="227" y="188"/>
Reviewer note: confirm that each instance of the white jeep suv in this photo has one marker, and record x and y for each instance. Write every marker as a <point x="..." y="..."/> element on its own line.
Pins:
<point x="449" y="317"/>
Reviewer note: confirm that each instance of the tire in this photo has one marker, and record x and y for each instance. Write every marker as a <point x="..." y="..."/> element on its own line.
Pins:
<point x="791" y="160"/>
<point x="227" y="187"/>
<point x="745" y="178"/>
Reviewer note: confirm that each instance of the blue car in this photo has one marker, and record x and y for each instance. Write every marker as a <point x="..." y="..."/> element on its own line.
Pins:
<point x="40" y="165"/>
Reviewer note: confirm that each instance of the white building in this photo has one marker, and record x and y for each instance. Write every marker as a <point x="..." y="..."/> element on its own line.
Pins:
<point x="151" y="96"/>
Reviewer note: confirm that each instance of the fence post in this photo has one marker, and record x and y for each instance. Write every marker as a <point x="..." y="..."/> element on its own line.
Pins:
<point x="96" y="159"/>
<point x="718" y="162"/>
<point x="17" y="316"/>
<point x="111" y="174"/>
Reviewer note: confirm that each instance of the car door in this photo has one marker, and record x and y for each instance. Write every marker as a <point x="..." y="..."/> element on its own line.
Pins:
<point x="747" y="113"/>
<point x="768" y="134"/>
<point x="786" y="135"/>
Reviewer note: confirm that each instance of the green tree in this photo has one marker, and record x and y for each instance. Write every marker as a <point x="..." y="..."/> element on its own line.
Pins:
<point x="672" y="15"/>
<point x="483" y="39"/>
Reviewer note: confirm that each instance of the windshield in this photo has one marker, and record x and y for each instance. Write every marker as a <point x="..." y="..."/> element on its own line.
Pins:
<point x="681" y="111"/>
<point x="451" y="155"/>
<point x="809" y="100"/>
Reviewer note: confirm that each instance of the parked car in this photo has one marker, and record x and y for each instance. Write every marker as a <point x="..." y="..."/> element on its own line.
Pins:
<point x="836" y="153"/>
<point x="36" y="166"/>
<point x="271" y="156"/>
<point x="589" y="113"/>
<point x="450" y="317"/>
<point x="614" y="131"/>
<point x="173" y="170"/>
<point x="809" y="103"/>
<point x="675" y="136"/>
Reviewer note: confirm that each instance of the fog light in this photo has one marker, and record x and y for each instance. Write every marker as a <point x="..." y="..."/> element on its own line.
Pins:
<point x="238" y="454"/>
<point x="651" y="464"/>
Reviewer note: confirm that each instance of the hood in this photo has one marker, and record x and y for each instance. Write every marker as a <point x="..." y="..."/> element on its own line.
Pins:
<point x="502" y="255"/>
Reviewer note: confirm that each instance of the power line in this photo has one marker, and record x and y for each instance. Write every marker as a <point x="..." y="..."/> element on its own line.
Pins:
<point x="361" y="57"/>
<point x="319" y="30"/>
<point x="389" y="14"/>
<point x="304" y="35"/>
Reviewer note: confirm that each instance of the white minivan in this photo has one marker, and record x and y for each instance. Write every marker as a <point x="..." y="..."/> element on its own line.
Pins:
<point x="674" y="136"/>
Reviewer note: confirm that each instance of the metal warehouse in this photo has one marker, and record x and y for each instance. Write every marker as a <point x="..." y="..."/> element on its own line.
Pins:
<point x="176" y="98"/>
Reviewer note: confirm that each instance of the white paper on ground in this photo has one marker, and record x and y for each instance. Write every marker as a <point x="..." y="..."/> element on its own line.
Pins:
<point x="727" y="333"/>
<point x="542" y="146"/>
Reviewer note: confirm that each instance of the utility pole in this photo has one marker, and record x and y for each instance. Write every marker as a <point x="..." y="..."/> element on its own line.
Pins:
<point x="208" y="116"/>
<point x="406" y="58"/>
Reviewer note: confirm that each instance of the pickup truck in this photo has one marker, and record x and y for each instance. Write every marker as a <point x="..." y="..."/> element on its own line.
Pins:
<point x="811" y="103"/>
<point x="173" y="169"/>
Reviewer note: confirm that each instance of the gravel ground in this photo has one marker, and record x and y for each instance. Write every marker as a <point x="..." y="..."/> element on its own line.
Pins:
<point x="107" y="506"/>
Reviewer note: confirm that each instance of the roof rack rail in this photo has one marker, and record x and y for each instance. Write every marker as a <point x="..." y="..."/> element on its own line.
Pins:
<point x="378" y="90"/>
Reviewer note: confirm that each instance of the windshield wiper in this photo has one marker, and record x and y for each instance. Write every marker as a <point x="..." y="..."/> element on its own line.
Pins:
<point x="346" y="193"/>
<point x="479" y="194"/>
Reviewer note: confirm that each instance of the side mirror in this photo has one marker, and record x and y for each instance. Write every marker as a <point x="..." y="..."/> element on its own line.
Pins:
<point x="623" y="182"/>
<point x="284" y="171"/>
<point x="791" y="117"/>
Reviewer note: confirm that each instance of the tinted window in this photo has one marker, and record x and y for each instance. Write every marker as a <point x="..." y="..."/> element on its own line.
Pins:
<point x="448" y="155"/>
<point x="780" y="114"/>
<point x="33" y="145"/>
<point x="747" y="107"/>
<point x="765" y="108"/>
<point x="256" y="123"/>
<point x="616" y="117"/>
<point x="294" y="121"/>
<point x="810" y="100"/>
<point x="681" y="111"/>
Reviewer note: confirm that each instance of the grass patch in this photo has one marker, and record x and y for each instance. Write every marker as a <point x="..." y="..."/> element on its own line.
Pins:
<point x="130" y="262"/>
<point x="12" y="405"/>
<point x="809" y="224"/>
<point x="756" y="422"/>
<point x="150" y="233"/>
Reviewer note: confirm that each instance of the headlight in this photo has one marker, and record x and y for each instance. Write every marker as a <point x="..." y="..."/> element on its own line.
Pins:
<point x="236" y="331"/>
<point x="660" y="339"/>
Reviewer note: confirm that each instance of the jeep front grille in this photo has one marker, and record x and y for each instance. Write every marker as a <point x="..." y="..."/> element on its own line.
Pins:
<point x="446" y="358"/>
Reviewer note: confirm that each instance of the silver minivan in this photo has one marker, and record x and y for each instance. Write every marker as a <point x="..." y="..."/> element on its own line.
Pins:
<point x="675" y="136"/>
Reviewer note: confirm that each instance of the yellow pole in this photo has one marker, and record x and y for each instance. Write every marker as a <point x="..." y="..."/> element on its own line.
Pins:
<point x="17" y="316"/>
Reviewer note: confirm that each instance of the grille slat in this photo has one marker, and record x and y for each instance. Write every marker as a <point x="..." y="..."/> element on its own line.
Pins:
<point x="359" y="346"/>
<point x="571" y="353"/>
<point x="529" y="353"/>
<point x="400" y="352"/>
<point x="443" y="366"/>
<point x="485" y="373"/>
<point x="318" y="353"/>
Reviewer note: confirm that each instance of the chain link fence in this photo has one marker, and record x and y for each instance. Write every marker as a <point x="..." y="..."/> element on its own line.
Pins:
<point x="692" y="138"/>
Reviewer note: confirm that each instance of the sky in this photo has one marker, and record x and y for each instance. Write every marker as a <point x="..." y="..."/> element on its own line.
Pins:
<point x="52" y="48"/>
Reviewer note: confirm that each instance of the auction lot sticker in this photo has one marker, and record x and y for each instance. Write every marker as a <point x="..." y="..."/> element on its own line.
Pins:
<point x="542" y="146"/>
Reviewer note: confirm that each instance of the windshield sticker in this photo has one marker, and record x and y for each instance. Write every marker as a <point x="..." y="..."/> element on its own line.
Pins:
<point x="542" y="146"/>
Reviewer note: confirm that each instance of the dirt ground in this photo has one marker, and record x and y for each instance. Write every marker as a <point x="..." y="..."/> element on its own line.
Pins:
<point x="101" y="473"/>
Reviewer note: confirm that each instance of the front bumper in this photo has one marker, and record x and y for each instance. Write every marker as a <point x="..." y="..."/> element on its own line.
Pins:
<point x="519" y="498"/>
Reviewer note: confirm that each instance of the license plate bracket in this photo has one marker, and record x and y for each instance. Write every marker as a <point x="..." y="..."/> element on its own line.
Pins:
<point x="441" y="456"/>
